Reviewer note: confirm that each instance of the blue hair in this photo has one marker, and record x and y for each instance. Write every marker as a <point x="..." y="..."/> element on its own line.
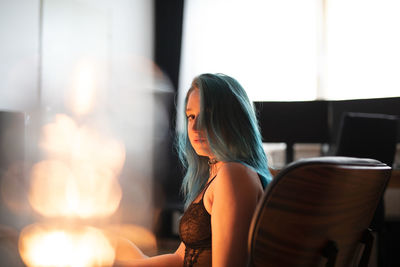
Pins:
<point x="229" y="121"/>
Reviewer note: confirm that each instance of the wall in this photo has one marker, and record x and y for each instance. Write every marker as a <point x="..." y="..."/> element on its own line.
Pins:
<point x="47" y="48"/>
<point x="19" y="43"/>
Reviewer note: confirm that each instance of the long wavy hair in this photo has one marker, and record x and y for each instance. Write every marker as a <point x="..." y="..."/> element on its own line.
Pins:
<point x="228" y="119"/>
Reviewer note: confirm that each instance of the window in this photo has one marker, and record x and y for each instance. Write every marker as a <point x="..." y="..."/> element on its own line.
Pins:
<point x="269" y="46"/>
<point x="295" y="50"/>
<point x="362" y="49"/>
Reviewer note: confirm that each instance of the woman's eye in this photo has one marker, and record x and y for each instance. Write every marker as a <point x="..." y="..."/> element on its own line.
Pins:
<point x="190" y="117"/>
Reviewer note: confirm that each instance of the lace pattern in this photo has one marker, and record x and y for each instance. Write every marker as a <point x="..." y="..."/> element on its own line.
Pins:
<point x="195" y="232"/>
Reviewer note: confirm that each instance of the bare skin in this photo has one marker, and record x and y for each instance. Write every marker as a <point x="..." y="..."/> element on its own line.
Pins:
<point x="230" y="200"/>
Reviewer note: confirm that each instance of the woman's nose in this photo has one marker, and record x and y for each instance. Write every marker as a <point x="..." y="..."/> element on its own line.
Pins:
<point x="195" y="125"/>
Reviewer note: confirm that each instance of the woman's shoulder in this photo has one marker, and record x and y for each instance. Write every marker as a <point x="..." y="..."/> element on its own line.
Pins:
<point x="235" y="184"/>
<point x="233" y="168"/>
<point x="237" y="173"/>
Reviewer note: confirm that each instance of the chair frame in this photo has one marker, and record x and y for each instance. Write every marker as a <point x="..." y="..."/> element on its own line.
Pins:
<point x="334" y="252"/>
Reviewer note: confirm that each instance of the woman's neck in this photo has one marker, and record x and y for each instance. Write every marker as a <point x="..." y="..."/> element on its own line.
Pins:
<point x="214" y="167"/>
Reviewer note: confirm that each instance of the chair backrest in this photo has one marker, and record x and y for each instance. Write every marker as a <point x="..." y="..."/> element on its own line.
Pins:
<point x="313" y="207"/>
<point x="366" y="135"/>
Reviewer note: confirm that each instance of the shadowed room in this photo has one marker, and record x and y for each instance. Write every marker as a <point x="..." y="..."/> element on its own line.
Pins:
<point x="95" y="96"/>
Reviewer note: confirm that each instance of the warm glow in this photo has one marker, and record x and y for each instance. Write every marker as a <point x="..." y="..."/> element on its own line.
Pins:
<point x="64" y="139"/>
<point x="84" y="191"/>
<point x="83" y="90"/>
<point x="80" y="179"/>
<point x="41" y="245"/>
<point x="138" y="235"/>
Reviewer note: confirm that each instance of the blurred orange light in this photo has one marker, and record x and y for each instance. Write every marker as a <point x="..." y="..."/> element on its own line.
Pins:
<point x="73" y="191"/>
<point x="80" y="178"/>
<point x="77" y="179"/>
<point x="83" y="90"/>
<point x="43" y="246"/>
<point x="64" y="139"/>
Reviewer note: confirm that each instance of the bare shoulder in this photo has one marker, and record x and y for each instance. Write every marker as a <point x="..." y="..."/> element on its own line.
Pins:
<point x="237" y="171"/>
<point x="233" y="182"/>
<point x="237" y="175"/>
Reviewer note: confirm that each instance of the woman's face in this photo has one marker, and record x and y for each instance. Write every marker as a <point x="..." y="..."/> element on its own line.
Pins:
<point x="197" y="137"/>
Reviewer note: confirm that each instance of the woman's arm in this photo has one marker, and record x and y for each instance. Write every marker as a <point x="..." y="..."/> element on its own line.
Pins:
<point x="235" y="195"/>
<point x="140" y="260"/>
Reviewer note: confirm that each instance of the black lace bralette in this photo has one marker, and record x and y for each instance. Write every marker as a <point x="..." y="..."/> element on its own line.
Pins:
<point x="195" y="232"/>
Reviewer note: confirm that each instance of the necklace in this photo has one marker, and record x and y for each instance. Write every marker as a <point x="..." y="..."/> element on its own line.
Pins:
<point x="213" y="166"/>
<point x="212" y="162"/>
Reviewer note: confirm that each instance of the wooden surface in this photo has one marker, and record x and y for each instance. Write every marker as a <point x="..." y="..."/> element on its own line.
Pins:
<point x="305" y="207"/>
<point x="394" y="181"/>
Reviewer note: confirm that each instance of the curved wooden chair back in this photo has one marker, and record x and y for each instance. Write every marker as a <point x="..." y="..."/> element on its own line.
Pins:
<point x="316" y="212"/>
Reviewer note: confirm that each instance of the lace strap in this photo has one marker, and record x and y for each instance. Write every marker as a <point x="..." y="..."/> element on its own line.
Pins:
<point x="206" y="186"/>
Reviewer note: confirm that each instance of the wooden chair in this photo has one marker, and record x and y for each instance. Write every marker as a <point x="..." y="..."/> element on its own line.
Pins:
<point x="365" y="135"/>
<point x="316" y="212"/>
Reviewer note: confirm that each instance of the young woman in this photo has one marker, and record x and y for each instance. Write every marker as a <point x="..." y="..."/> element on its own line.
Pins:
<point x="226" y="171"/>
